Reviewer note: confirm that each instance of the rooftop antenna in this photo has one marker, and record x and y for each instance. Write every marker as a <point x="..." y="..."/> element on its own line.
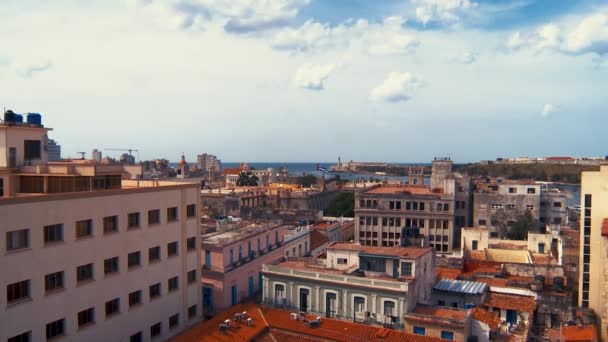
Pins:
<point x="81" y="154"/>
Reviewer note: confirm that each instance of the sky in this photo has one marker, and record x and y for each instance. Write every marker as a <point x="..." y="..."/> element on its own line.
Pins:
<point x="311" y="80"/>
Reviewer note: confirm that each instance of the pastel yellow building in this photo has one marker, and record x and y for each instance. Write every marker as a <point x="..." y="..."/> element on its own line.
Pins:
<point x="594" y="245"/>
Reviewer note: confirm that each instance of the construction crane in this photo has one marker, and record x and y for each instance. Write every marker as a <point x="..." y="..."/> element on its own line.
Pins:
<point x="130" y="150"/>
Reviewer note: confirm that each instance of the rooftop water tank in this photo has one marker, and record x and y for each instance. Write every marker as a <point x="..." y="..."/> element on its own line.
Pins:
<point x="34" y="119"/>
<point x="10" y="117"/>
<point x="18" y="118"/>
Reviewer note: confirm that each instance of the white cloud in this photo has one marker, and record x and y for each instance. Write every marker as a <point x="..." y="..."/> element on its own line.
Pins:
<point x="465" y="58"/>
<point x="27" y="70"/>
<point x="396" y="87"/>
<point x="237" y="16"/>
<point x="442" y="11"/>
<point x="385" y="38"/>
<point x="589" y="36"/>
<point x="548" y="109"/>
<point x="313" y="76"/>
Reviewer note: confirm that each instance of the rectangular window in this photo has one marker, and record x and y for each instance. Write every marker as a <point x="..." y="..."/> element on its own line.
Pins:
<point x="18" y="291"/>
<point x="391" y="204"/>
<point x="529" y="207"/>
<point x="25" y="337"/>
<point x="422" y="206"/>
<point x="191" y="210"/>
<point x="154" y="291"/>
<point x="134" y="259"/>
<point x="133" y="220"/>
<point x="474" y="245"/>
<point x="53" y="281"/>
<point x="154" y="254"/>
<point x="84" y="228"/>
<point x="447" y="335"/>
<point x="153" y="216"/>
<point x="32" y="149"/>
<point x="112" y="307"/>
<point x="446" y="207"/>
<point x="173" y="284"/>
<point x="1" y="187"/>
<point x="191" y="276"/>
<point x="557" y="204"/>
<point x="398" y="205"/>
<point x="53" y="233"/>
<point x="512" y="190"/>
<point x="420" y="331"/>
<point x="110" y="265"/>
<point x="84" y="273"/>
<point x="406" y="269"/>
<point x="55" y="329"/>
<point x="192" y="312"/>
<point x="531" y="190"/>
<point x="134" y="298"/>
<point x="172" y="214"/>
<point x="482" y="222"/>
<point x="110" y="224"/>
<point x="17" y="239"/>
<point x="342" y="261"/>
<point x="414" y="205"/>
<point x="137" y="337"/>
<point x="191" y="244"/>
<point x="156" y="330"/>
<point x="173" y="321"/>
<point x="172" y="249"/>
<point x="587" y="201"/>
<point x="86" y="317"/>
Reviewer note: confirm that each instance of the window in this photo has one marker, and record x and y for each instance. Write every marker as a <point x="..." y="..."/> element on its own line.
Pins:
<point x="154" y="291"/>
<point x="447" y="335"/>
<point x="474" y="244"/>
<point x="135" y="298"/>
<point x="18" y="291"/>
<point x="133" y="220"/>
<point x="110" y="265"/>
<point x="17" y="239"/>
<point x="173" y="284"/>
<point x="420" y="331"/>
<point x="482" y="222"/>
<point x="446" y="207"/>
<point x="84" y="228"/>
<point x="191" y="210"/>
<point x="154" y="254"/>
<point x="172" y="214"/>
<point x="110" y="224"/>
<point x="173" y="321"/>
<point x="541" y="248"/>
<point x="84" y="273"/>
<point x="155" y="330"/>
<point x="137" y="337"/>
<point x="512" y="190"/>
<point x="53" y="233"/>
<point x="31" y="149"/>
<point x="55" y="329"/>
<point x="53" y="281"/>
<point x="557" y="204"/>
<point x="389" y="308"/>
<point x="406" y="269"/>
<point x="172" y="249"/>
<point x="25" y="337"/>
<point x="86" y="317"/>
<point x="191" y="276"/>
<point x="529" y="207"/>
<point x="192" y="311"/>
<point x="112" y="307"/>
<point x="422" y="206"/>
<point x="531" y="190"/>
<point x="153" y="216"/>
<point x="134" y="259"/>
<point x="1" y="187"/>
<point x="191" y="243"/>
<point x="342" y="261"/>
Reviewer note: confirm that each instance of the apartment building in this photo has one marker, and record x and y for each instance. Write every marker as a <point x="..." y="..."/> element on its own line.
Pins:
<point x="233" y="259"/>
<point x="89" y="256"/>
<point x="365" y="284"/>
<point x="594" y="245"/>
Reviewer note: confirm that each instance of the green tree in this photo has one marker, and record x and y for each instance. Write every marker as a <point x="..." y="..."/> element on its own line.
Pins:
<point x="342" y="205"/>
<point x="307" y="181"/>
<point x="525" y="223"/>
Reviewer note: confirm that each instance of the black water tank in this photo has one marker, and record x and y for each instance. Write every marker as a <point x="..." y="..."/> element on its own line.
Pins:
<point x="10" y="117"/>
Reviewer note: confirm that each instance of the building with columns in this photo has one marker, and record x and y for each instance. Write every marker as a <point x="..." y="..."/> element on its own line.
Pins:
<point x="373" y="285"/>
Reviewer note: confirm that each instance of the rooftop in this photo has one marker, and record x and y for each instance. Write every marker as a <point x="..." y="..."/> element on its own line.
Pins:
<point x="398" y="252"/>
<point x="406" y="189"/>
<point x="438" y="315"/>
<point x="461" y="286"/>
<point x="270" y="324"/>
<point x="510" y="302"/>
<point x="447" y="272"/>
<point x="317" y="239"/>
<point x="486" y="317"/>
<point x="240" y="231"/>
<point x="574" y="333"/>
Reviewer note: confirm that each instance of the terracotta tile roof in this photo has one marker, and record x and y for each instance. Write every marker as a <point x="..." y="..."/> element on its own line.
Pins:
<point x="208" y="331"/>
<point x="499" y="282"/>
<point x="447" y="273"/>
<point x="574" y="333"/>
<point x="322" y="225"/>
<point x="437" y="315"/>
<point x="395" y="190"/>
<point x="486" y="317"/>
<point x="477" y="255"/>
<point x="340" y="331"/>
<point x="510" y="302"/>
<point x="543" y="259"/>
<point x="403" y="252"/>
<point x="317" y="239"/>
<point x="605" y="227"/>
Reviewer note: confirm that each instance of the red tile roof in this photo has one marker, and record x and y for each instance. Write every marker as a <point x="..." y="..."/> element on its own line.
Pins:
<point x="486" y="317"/>
<point x="575" y="333"/>
<point x="270" y="324"/>
<point x="510" y="302"/>
<point x="605" y="227"/>
<point x="322" y="225"/>
<point x="447" y="273"/>
<point x="317" y="239"/>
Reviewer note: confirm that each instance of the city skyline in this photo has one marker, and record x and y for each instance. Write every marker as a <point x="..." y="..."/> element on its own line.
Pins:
<point x="305" y="80"/>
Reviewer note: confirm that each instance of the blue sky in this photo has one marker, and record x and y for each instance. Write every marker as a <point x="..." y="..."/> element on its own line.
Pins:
<point x="308" y="80"/>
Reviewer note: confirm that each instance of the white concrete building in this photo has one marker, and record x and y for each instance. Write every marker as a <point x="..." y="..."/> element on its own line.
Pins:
<point x="88" y="256"/>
